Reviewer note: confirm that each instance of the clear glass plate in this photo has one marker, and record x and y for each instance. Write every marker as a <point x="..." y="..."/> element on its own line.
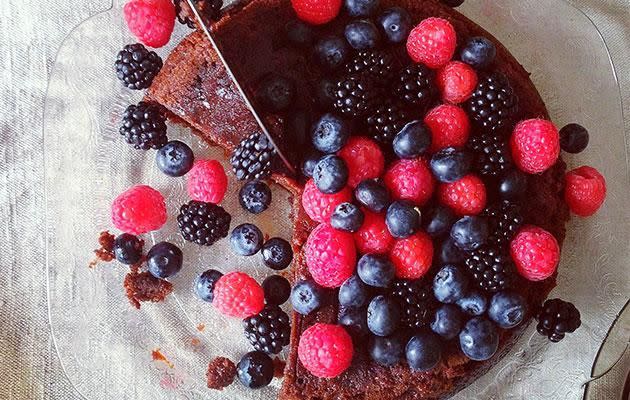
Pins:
<point x="105" y="345"/>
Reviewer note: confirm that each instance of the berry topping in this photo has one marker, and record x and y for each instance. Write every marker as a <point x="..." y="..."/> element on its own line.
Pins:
<point x="456" y="81"/>
<point x="474" y="303"/>
<point x="331" y="51"/>
<point x="361" y="8"/>
<point x="466" y="196"/>
<point x="255" y="370"/>
<point x="504" y="220"/>
<point x="573" y="138"/>
<point x="204" y="284"/>
<point x="309" y="162"/>
<point x="175" y="158"/>
<point x="451" y="164"/>
<point x="363" y="158"/>
<point x="491" y="268"/>
<point x="203" y="223"/>
<point x="375" y="270"/>
<point x="556" y="318"/>
<point x="447" y="321"/>
<point x="347" y="217"/>
<point x="236" y="294"/>
<point x="128" y="248"/>
<point x="330" y="256"/>
<point x="402" y="219"/>
<point x="353" y="292"/>
<point x="416" y="302"/>
<point x="354" y="320"/>
<point x="136" y="66"/>
<point x="535" y="252"/>
<point x="275" y="93"/>
<point x="437" y="221"/>
<point x="373" y="195"/>
<point x="320" y="206"/>
<point x="416" y="86"/>
<point x="512" y="185"/>
<point x="330" y="174"/>
<point x="493" y="102"/>
<point x="253" y="157"/>
<point x="269" y="330"/>
<point x="277" y="253"/>
<point x="140" y="209"/>
<point x="325" y="350"/>
<point x="378" y="65"/>
<point x="423" y="351"/>
<point x="413" y="140"/>
<point x="432" y="42"/>
<point x="386" y="120"/>
<point x="316" y="12"/>
<point x="306" y="297"/>
<point x="277" y="289"/>
<point x="395" y="23"/>
<point x="585" y="191"/>
<point x="448" y="253"/>
<point x="362" y="34"/>
<point x="410" y="180"/>
<point x="151" y="21"/>
<point x="492" y="153"/>
<point x="143" y="126"/>
<point x="478" y="52"/>
<point x="354" y="96"/>
<point x="470" y="233"/>
<point x="449" y="126"/>
<point x="246" y="239"/>
<point x="450" y="284"/>
<point x="373" y="236"/>
<point x="479" y="339"/>
<point x="255" y="196"/>
<point x="210" y="11"/>
<point x="383" y="315"/>
<point x="330" y="133"/>
<point x="164" y="259"/>
<point x="535" y="145"/>
<point x="412" y="256"/>
<point x="507" y="309"/>
<point x="387" y="351"/>
<point x="207" y="181"/>
<point x="299" y="34"/>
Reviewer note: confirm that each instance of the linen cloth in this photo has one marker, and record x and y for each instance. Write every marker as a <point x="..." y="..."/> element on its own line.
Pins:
<point x="30" y="33"/>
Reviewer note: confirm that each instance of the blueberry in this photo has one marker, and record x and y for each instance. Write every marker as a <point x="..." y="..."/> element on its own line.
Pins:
<point x="413" y="140"/>
<point x="376" y="270"/>
<point x="383" y="315"/>
<point x="127" y="249"/>
<point x="347" y="217"/>
<point x="204" y="284"/>
<point x="175" y="158"/>
<point x="354" y="319"/>
<point x="164" y="260"/>
<point x="507" y="309"/>
<point x="453" y="3"/>
<point x="325" y="93"/>
<point x="448" y="321"/>
<point x="470" y="232"/>
<point x="330" y="133"/>
<point x="450" y="284"/>
<point x="423" y="351"/>
<point x="512" y="185"/>
<point x="306" y="297"/>
<point x="310" y="161"/>
<point x="353" y="292"/>
<point x="277" y="253"/>
<point x="255" y="370"/>
<point x="276" y="93"/>
<point x="437" y="221"/>
<point x="255" y="196"/>
<point x="362" y="34"/>
<point x="372" y="194"/>
<point x="396" y="23"/>
<point x="331" y="52"/>
<point x="246" y="239"/>
<point x="478" y="52"/>
<point x="388" y="350"/>
<point x="449" y="253"/>
<point x="299" y="34"/>
<point x="474" y="303"/>
<point x="402" y="219"/>
<point x="450" y="164"/>
<point x="573" y="138"/>
<point x="479" y="339"/>
<point x="361" y="8"/>
<point x="330" y="174"/>
<point x="277" y="289"/>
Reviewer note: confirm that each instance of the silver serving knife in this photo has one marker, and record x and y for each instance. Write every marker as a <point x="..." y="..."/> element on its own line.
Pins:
<point x="238" y="86"/>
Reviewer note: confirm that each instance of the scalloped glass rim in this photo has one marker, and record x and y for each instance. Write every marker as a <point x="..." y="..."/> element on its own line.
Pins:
<point x="519" y="369"/>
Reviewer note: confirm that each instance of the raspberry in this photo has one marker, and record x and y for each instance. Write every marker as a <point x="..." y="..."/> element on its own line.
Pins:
<point x="457" y="81"/>
<point x="320" y="206"/>
<point x="535" y="252"/>
<point x="410" y="180"/>
<point x="466" y="196"/>
<point x="432" y="42"/>
<point x="316" y="12"/>
<point x="207" y="181"/>
<point x="585" y="191"/>
<point x="373" y="236"/>
<point x="325" y="350"/>
<point x="535" y="145"/>
<point x="449" y="126"/>
<point x="363" y="158"/>
<point x="412" y="256"/>
<point x="330" y="256"/>
<point x="140" y="209"/>
<point x="151" y="21"/>
<point x="237" y="294"/>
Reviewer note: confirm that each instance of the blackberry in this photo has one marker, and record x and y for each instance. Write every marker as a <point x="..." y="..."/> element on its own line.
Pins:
<point x="491" y="268"/>
<point x="416" y="85"/>
<point x="253" y="157"/>
<point x="416" y="300"/>
<point x="354" y="96"/>
<point x="269" y="330"/>
<point x="376" y="65"/>
<point x="556" y="318"/>
<point x="505" y="219"/>
<point x="492" y="153"/>
<point x="493" y="103"/>
<point x="136" y="66"/>
<point x="144" y="126"/>
<point x="385" y="121"/>
<point x="210" y="11"/>
<point x="203" y="223"/>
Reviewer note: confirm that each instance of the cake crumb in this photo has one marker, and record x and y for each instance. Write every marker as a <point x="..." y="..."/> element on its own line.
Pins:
<point x="143" y="286"/>
<point x="195" y="341"/>
<point x="221" y="373"/>
<point x="201" y="327"/>
<point x="278" y="367"/>
<point x="105" y="253"/>
<point x="157" y="355"/>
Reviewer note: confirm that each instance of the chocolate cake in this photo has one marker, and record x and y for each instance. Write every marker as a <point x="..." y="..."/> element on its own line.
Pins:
<point x="195" y="90"/>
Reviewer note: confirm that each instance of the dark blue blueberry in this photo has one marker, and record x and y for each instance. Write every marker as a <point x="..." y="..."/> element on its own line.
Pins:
<point x="299" y="34"/>
<point x="127" y="249"/>
<point x="478" y="52"/>
<point x="347" y="217"/>
<point x="388" y="350"/>
<point x="573" y="138"/>
<point x="450" y="164"/>
<point x="310" y="161"/>
<point x="448" y="321"/>
<point x="372" y="194"/>
<point x="277" y="289"/>
<point x="361" y="8"/>
<point x="332" y="52"/>
<point x="175" y="158"/>
<point x="276" y="93"/>
<point x="204" y="284"/>
<point x="164" y="260"/>
<point x="255" y="196"/>
<point x="449" y="253"/>
<point x="474" y="303"/>
<point x="325" y="93"/>
<point x="362" y="34"/>
<point x="437" y="221"/>
<point x="306" y="297"/>
<point x="402" y="219"/>
<point x="479" y="339"/>
<point x="413" y="140"/>
<point x="353" y="292"/>
<point x="396" y="23"/>
<point x="450" y="284"/>
<point x="330" y="133"/>
<point x="423" y="351"/>
<point x="246" y="239"/>
<point x="255" y="370"/>
<point x="277" y="253"/>
<point x="376" y="270"/>
<point x="470" y="232"/>
<point x="330" y="174"/>
<point x="383" y="315"/>
<point x="453" y="3"/>
<point x="512" y="185"/>
<point x="507" y="309"/>
<point x="354" y="319"/>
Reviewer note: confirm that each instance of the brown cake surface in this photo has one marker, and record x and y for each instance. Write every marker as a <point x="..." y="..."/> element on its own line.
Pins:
<point x="194" y="87"/>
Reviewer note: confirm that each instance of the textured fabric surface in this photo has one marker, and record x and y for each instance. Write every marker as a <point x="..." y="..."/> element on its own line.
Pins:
<point x="30" y="33"/>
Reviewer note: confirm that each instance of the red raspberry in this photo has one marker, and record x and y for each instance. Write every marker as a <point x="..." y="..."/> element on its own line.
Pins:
<point x="432" y="42"/>
<point x="207" y="181"/>
<point x="585" y="191"/>
<point x="330" y="256"/>
<point x="457" y="81"/>
<point x="316" y="12"/>
<point x="535" y="145"/>
<point x="151" y="21"/>
<point x="412" y="256"/>
<point x="139" y="209"/>
<point x="449" y="126"/>
<point x="364" y="159"/>
<point x="237" y="294"/>
<point x="373" y="236"/>
<point x="535" y="252"/>
<point x="466" y="196"/>
<point x="325" y="350"/>
<point x="410" y="180"/>
<point x="320" y="206"/>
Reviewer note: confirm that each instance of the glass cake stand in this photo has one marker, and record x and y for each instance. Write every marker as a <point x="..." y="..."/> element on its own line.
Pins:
<point x="105" y="346"/>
